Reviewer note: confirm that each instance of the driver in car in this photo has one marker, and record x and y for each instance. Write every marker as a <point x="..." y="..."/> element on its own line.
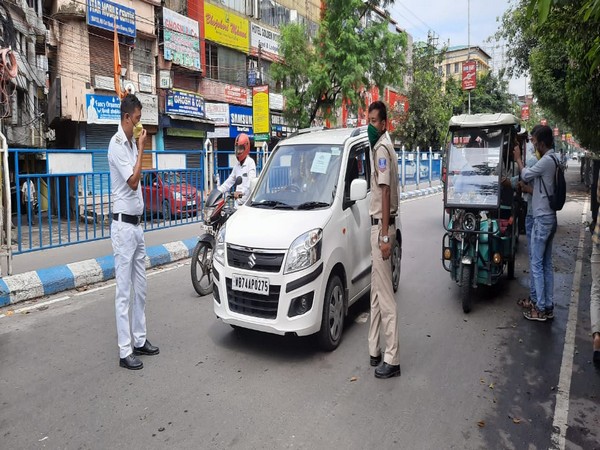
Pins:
<point x="245" y="168"/>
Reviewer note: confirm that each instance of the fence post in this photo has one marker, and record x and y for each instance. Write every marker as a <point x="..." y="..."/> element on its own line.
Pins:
<point x="208" y="156"/>
<point x="403" y="165"/>
<point x="430" y="164"/>
<point x="418" y="166"/>
<point x="5" y="213"/>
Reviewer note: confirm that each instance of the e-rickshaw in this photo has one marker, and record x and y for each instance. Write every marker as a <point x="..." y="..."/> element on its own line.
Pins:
<point x="480" y="209"/>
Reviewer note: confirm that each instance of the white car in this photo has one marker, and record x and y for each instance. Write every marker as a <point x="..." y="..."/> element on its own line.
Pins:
<point x="298" y="254"/>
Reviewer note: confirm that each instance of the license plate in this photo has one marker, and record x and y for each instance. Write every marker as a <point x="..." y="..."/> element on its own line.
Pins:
<point x="255" y="285"/>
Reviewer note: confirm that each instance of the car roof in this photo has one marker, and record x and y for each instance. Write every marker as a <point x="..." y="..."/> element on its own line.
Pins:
<point x="482" y="120"/>
<point x="331" y="136"/>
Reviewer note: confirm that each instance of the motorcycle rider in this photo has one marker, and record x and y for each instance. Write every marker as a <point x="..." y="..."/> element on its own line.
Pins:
<point x="245" y="168"/>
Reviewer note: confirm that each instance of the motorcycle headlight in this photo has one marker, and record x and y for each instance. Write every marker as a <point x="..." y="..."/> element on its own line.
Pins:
<point x="219" y="253"/>
<point x="304" y="251"/>
<point x="207" y="213"/>
<point x="177" y="196"/>
<point x="469" y="222"/>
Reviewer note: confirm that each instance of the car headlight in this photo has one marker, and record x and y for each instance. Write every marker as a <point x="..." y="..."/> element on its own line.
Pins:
<point x="219" y="253"/>
<point x="304" y="251"/>
<point x="177" y="196"/>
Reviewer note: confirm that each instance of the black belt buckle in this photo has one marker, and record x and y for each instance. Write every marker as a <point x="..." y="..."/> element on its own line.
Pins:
<point x="375" y="220"/>
<point x="127" y="218"/>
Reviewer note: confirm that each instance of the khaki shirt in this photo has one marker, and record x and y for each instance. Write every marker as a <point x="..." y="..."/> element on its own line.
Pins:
<point x="384" y="170"/>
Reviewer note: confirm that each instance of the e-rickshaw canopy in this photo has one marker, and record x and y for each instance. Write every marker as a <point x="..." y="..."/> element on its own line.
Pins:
<point x="481" y="120"/>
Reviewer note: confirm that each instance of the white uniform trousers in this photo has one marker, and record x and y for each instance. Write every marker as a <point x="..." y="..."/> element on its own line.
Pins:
<point x="130" y="272"/>
<point x="383" y="302"/>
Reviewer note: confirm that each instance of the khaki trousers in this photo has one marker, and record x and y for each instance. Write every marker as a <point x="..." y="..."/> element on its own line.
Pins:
<point x="383" y="303"/>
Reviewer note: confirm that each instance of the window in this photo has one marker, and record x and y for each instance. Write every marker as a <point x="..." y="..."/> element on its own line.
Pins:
<point x="232" y="66"/>
<point x="212" y="61"/>
<point x="456" y="67"/>
<point x="447" y="70"/>
<point x="357" y="168"/>
<point x="143" y="60"/>
<point x="237" y="5"/>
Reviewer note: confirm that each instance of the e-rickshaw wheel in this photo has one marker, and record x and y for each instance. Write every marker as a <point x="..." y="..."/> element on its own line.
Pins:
<point x="465" y="287"/>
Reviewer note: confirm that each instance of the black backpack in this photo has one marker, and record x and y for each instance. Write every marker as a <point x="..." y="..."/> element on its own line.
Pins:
<point x="559" y="196"/>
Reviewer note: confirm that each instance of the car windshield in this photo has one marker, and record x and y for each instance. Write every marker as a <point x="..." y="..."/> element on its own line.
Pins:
<point x="475" y="167"/>
<point x="172" y="178"/>
<point x="299" y="177"/>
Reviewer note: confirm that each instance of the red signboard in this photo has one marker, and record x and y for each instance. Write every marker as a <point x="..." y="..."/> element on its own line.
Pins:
<point x="556" y="131"/>
<point x="469" y="75"/>
<point x="525" y="112"/>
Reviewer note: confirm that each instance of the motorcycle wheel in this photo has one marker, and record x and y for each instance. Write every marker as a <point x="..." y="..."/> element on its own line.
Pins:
<point x="201" y="267"/>
<point x="465" y="288"/>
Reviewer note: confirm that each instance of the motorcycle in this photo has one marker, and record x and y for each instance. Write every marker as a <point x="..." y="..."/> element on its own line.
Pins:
<point x="217" y="209"/>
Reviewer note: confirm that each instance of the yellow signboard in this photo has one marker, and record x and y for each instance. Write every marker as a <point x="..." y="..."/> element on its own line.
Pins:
<point x="260" y="110"/>
<point x="225" y="28"/>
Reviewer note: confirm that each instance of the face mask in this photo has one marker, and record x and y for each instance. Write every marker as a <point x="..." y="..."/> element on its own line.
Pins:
<point x="137" y="130"/>
<point x="373" y="134"/>
<point x="538" y="155"/>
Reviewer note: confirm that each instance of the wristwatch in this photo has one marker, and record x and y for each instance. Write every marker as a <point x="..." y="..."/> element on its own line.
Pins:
<point x="385" y="239"/>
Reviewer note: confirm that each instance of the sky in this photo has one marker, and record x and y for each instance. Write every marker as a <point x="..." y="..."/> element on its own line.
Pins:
<point x="449" y="21"/>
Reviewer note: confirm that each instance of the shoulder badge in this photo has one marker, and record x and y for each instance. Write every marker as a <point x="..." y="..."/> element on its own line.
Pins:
<point x="382" y="164"/>
<point x="118" y="139"/>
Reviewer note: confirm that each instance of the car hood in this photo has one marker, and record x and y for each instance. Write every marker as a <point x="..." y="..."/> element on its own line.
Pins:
<point x="272" y="229"/>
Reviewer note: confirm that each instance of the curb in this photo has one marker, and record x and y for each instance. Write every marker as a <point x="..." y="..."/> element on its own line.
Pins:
<point x="39" y="283"/>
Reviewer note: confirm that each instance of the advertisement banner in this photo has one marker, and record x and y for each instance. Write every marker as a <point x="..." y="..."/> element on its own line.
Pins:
<point x="543" y="122"/>
<point x="525" y="112"/>
<point x="215" y="90"/>
<point x="149" y="108"/>
<point x="266" y="40"/>
<point x="469" y="75"/>
<point x="240" y="120"/>
<point x="103" y="109"/>
<point x="181" y="40"/>
<point x="218" y="113"/>
<point x="260" y="110"/>
<point x="225" y="28"/>
<point x="185" y="103"/>
<point x="102" y="14"/>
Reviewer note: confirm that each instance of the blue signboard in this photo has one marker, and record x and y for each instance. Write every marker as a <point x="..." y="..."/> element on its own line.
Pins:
<point x="102" y="14"/>
<point x="185" y="103"/>
<point x="240" y="120"/>
<point x="105" y="109"/>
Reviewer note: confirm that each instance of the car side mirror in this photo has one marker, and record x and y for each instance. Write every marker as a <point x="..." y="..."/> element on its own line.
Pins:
<point x="358" y="190"/>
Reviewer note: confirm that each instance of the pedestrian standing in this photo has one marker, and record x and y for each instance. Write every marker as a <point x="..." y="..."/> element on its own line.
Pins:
<point x="127" y="234"/>
<point x="29" y="198"/>
<point x="544" y="223"/>
<point x="595" y="291"/>
<point x="383" y="210"/>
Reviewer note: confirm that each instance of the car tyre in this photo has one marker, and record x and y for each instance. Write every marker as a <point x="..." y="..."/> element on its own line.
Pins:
<point x="332" y="322"/>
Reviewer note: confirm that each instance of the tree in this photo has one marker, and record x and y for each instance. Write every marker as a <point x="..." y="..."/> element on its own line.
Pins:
<point x="555" y="52"/>
<point x="425" y="123"/>
<point x="344" y="57"/>
<point x="490" y="96"/>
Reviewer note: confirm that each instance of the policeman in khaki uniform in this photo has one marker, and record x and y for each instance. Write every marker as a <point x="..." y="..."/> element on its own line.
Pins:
<point x="127" y="234"/>
<point x="383" y="211"/>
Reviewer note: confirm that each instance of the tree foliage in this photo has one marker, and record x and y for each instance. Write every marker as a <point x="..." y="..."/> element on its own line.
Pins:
<point x="555" y="51"/>
<point x="490" y="95"/>
<point x="344" y="57"/>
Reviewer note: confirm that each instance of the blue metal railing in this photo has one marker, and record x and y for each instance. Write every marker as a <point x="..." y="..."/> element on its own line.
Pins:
<point x="57" y="204"/>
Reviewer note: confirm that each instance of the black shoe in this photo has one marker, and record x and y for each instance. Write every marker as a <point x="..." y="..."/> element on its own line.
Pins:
<point x="146" y="349"/>
<point x="375" y="360"/>
<point x="131" y="362"/>
<point x="387" y="371"/>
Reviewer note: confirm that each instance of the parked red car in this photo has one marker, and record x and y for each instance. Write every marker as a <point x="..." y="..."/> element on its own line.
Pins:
<point x="168" y="194"/>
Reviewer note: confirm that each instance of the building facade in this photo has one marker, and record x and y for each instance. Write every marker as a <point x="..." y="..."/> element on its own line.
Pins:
<point x="451" y="66"/>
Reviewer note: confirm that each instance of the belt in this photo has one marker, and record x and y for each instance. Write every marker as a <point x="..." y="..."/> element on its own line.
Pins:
<point x="127" y="218"/>
<point x="375" y="221"/>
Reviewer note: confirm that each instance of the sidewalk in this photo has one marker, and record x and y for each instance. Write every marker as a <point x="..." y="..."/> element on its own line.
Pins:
<point x="48" y="272"/>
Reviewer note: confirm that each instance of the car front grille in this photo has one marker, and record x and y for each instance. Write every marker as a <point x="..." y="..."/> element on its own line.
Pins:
<point x="250" y="304"/>
<point x="257" y="261"/>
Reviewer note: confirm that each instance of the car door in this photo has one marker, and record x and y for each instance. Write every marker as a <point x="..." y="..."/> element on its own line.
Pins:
<point x="358" y="236"/>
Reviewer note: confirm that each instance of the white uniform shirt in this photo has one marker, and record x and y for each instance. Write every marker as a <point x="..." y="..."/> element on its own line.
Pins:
<point x="28" y="191"/>
<point x="122" y="156"/>
<point x="247" y="171"/>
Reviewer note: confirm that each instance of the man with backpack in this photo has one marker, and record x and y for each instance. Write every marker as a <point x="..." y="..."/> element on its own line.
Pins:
<point x="546" y="201"/>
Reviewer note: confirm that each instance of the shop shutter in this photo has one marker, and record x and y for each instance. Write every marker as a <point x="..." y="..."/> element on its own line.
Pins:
<point x="97" y="138"/>
<point x="193" y="157"/>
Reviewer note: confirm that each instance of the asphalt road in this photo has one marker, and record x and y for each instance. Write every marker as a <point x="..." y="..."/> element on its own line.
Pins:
<point x="486" y="380"/>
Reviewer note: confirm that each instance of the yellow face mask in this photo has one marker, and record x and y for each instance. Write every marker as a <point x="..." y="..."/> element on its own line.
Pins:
<point x="538" y="155"/>
<point x="137" y="130"/>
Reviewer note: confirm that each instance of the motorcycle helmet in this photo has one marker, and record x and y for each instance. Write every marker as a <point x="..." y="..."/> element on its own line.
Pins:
<point x="242" y="147"/>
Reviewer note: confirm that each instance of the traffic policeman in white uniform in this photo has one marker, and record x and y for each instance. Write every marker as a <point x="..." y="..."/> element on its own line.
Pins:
<point x="245" y="168"/>
<point x="383" y="210"/>
<point x="127" y="234"/>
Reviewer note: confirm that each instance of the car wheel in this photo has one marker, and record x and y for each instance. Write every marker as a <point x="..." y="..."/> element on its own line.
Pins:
<point x="332" y="322"/>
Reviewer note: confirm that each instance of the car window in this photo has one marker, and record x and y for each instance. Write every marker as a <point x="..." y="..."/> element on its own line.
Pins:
<point x="300" y="176"/>
<point x="357" y="167"/>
